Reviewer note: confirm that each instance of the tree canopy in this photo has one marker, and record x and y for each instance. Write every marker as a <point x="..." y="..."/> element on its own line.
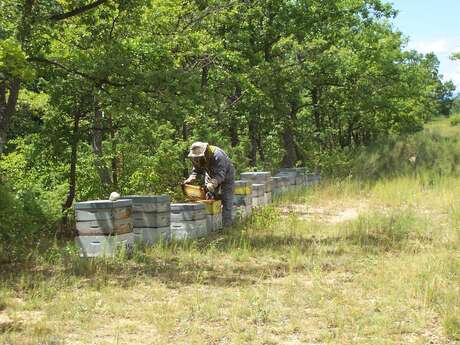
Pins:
<point x="101" y="95"/>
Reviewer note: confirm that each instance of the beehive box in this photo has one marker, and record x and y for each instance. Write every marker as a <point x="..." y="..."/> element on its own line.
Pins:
<point x="212" y="206"/>
<point x="313" y="178"/>
<point x="150" y="203"/>
<point x="151" y="219"/>
<point x="152" y="235"/>
<point x="188" y="221"/>
<point x="189" y="229"/>
<point x="187" y="212"/>
<point x="95" y="246"/>
<point x="103" y="217"/>
<point x="243" y="187"/>
<point x="258" y="178"/>
<point x="214" y="222"/>
<point x="268" y="198"/>
<point x="242" y="200"/>
<point x="239" y="213"/>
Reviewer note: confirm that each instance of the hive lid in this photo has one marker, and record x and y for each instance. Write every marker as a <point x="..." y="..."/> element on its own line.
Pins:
<point x="187" y="207"/>
<point x="242" y="183"/>
<point x="148" y="199"/>
<point x="102" y="204"/>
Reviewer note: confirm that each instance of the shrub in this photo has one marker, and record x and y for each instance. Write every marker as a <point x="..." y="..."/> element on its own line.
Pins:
<point x="455" y="120"/>
<point x="419" y="154"/>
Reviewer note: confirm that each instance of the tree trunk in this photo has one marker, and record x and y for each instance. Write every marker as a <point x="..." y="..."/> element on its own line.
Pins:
<point x="253" y="141"/>
<point x="114" y="154"/>
<point x="185" y="136"/>
<point x="292" y="154"/>
<point x="65" y="229"/>
<point x="234" y="139"/>
<point x="260" y="148"/>
<point x="7" y="108"/>
<point x="315" y="105"/>
<point x="101" y="168"/>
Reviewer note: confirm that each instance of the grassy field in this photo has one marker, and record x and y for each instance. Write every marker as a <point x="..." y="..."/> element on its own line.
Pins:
<point x="345" y="263"/>
<point x="348" y="262"/>
<point x="443" y="126"/>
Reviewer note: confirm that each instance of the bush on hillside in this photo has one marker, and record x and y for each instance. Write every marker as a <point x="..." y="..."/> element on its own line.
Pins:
<point x="421" y="153"/>
<point x="455" y="120"/>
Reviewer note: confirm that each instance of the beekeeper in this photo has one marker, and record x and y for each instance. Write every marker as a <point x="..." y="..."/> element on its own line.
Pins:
<point x="219" y="174"/>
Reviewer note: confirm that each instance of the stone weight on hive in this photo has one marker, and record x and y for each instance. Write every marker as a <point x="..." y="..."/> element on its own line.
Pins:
<point x="188" y="221"/>
<point x="103" y="227"/>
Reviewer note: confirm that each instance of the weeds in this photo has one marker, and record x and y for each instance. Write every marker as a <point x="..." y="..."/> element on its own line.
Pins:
<point x="391" y="275"/>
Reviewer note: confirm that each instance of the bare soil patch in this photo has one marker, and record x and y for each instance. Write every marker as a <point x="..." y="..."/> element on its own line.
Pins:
<point x="331" y="214"/>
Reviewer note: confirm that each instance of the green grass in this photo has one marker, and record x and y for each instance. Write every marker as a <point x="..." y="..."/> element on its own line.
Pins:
<point x="352" y="261"/>
<point x="299" y="272"/>
<point x="444" y="126"/>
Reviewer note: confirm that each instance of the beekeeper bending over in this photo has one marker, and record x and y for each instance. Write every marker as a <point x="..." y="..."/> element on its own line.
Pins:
<point x="219" y="174"/>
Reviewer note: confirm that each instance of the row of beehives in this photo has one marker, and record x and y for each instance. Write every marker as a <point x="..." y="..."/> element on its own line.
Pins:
<point x="105" y="227"/>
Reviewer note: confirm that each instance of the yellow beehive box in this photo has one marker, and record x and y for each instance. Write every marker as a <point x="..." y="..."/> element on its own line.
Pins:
<point x="212" y="206"/>
<point x="243" y="190"/>
<point x="193" y="193"/>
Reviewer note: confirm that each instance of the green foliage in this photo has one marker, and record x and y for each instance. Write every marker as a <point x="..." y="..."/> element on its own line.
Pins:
<point x="430" y="154"/>
<point x="27" y="217"/>
<point x="13" y="61"/>
<point x="119" y="91"/>
<point x="455" y="120"/>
